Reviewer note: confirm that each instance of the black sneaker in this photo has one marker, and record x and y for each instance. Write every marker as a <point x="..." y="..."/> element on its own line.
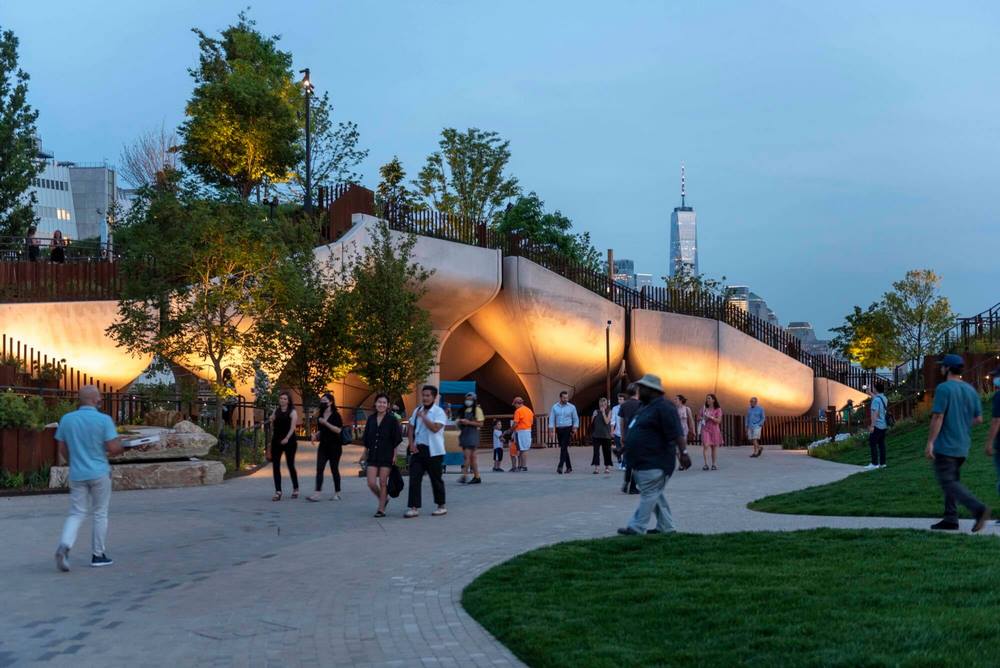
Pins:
<point x="97" y="561"/>
<point x="653" y="532"/>
<point x="944" y="525"/>
<point x="462" y="480"/>
<point x="981" y="521"/>
<point x="512" y="470"/>
<point x="62" y="558"/>
<point x="523" y="468"/>
<point x="476" y="481"/>
<point x="628" y="531"/>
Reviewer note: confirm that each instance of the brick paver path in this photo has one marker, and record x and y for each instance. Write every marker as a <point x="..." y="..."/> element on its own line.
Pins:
<point x="222" y="576"/>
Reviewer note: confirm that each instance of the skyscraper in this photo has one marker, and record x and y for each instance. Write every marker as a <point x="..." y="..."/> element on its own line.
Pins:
<point x="683" y="236"/>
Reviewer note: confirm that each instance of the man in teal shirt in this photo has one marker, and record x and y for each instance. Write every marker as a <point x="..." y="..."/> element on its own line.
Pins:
<point x="87" y="437"/>
<point x="956" y="408"/>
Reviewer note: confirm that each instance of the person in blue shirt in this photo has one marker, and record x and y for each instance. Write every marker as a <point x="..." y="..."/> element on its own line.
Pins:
<point x="993" y="438"/>
<point x="564" y="420"/>
<point x="86" y="437"/>
<point x="956" y="408"/>
<point x="755" y="422"/>
<point x="878" y="427"/>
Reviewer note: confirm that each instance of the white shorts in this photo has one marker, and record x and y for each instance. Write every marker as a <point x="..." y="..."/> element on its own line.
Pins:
<point x="753" y="433"/>
<point x="523" y="439"/>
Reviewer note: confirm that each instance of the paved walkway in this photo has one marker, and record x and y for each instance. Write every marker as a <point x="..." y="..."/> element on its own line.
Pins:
<point x="222" y="576"/>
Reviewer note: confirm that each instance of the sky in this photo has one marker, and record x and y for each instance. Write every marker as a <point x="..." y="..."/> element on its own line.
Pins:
<point x="829" y="147"/>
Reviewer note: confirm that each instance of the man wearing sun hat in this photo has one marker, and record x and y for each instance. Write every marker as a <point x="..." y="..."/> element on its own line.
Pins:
<point x="652" y="441"/>
<point x="956" y="408"/>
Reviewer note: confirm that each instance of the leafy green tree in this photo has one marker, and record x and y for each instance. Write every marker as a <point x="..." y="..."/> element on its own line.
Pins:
<point x="392" y="193"/>
<point x="18" y="149"/>
<point x="391" y="335"/>
<point x="920" y="315"/>
<point x="868" y="337"/>
<point x="685" y="280"/>
<point x="334" y="151"/>
<point x="466" y="176"/>
<point x="548" y="231"/>
<point x="243" y="123"/>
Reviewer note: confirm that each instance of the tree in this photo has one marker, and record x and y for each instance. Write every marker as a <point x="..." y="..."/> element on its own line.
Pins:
<point x="218" y="266"/>
<point x="392" y="193"/>
<point x="550" y="232"/>
<point x="920" y="315"/>
<point x="684" y="280"/>
<point x="18" y="143"/>
<point x="243" y="124"/>
<point x="147" y="160"/>
<point x="868" y="337"/>
<point x="334" y="151"/>
<point x="391" y="335"/>
<point x="466" y="177"/>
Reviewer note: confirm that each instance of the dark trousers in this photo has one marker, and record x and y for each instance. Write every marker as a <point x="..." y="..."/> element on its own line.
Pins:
<point x="497" y="455"/>
<point x="563" y="435"/>
<point x="618" y="448"/>
<point x="421" y="462"/>
<point x="630" y="484"/>
<point x="876" y="443"/>
<point x="276" y="449"/>
<point x="601" y="445"/>
<point x="328" y="453"/>
<point x="946" y="470"/>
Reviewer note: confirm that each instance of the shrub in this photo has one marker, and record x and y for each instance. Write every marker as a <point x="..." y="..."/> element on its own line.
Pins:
<point x="10" y="360"/>
<point x="14" y="412"/>
<point x="796" y="442"/>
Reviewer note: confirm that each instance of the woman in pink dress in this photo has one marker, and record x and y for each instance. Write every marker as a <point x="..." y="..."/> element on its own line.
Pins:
<point x="711" y="432"/>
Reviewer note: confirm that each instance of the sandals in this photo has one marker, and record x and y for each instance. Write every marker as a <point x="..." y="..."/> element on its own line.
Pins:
<point x="714" y="467"/>
<point x="315" y="497"/>
<point x="379" y="513"/>
<point x="295" y="493"/>
<point x="276" y="497"/>
<point x="705" y="467"/>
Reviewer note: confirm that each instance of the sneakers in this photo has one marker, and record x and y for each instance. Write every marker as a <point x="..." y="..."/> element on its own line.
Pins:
<point x="512" y="469"/>
<point x="628" y="531"/>
<point x="62" y="558"/>
<point x="439" y="511"/>
<point x="99" y="560"/>
<point x="981" y="521"/>
<point x="870" y="467"/>
<point x="314" y="497"/>
<point x="335" y="497"/>
<point x="944" y="525"/>
<point x="525" y="468"/>
<point x="411" y="513"/>
<point x="462" y="480"/>
<point x="476" y="481"/>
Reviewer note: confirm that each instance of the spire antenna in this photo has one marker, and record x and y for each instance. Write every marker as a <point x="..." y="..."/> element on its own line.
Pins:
<point x="683" y="185"/>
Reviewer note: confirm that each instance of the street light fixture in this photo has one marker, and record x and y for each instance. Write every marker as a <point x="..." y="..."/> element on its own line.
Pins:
<point x="607" y="360"/>
<point x="307" y="86"/>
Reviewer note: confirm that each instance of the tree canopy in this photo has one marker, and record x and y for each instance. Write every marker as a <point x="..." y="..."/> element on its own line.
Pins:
<point x="18" y="148"/>
<point x="548" y="230"/>
<point x="920" y="315"/>
<point x="868" y="337"/>
<point x="243" y="119"/>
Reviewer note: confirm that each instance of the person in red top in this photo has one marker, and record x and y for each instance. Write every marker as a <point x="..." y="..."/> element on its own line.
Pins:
<point x="524" y="418"/>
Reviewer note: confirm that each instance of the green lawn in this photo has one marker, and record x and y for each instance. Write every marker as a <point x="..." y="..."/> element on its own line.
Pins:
<point x="820" y="598"/>
<point x="905" y="488"/>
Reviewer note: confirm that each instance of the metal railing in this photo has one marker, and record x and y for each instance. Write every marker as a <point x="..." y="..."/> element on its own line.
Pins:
<point x="983" y="327"/>
<point x="45" y="249"/>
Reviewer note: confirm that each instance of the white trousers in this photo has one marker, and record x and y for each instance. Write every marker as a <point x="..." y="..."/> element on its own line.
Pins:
<point x="88" y="497"/>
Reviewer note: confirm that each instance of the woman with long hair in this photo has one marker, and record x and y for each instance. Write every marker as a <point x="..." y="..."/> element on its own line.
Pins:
<point x="600" y="435"/>
<point x="57" y="248"/>
<point x="470" y="421"/>
<point x="684" y="413"/>
<point x="711" y="432"/>
<point x="331" y="446"/>
<point x="284" y="421"/>
<point x="382" y="434"/>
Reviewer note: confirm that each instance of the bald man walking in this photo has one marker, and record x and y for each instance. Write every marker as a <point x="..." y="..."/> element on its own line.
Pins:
<point x="86" y="437"/>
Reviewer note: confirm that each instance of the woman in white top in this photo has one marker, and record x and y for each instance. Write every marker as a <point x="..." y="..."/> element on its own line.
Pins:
<point x="684" y="413"/>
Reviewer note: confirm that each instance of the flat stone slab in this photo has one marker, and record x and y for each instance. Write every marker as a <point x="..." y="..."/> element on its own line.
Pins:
<point x="152" y="475"/>
<point x="185" y="440"/>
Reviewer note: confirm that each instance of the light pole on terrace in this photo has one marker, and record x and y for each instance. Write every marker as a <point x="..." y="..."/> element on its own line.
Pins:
<point x="607" y="360"/>
<point x="308" y="87"/>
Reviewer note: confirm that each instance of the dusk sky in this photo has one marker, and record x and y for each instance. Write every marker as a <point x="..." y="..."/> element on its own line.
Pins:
<point x="828" y="148"/>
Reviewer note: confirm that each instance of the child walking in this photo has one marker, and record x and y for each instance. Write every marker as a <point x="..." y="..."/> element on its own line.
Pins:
<point x="498" y="445"/>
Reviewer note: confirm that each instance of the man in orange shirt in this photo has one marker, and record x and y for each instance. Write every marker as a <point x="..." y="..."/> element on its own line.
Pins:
<point x="524" y="418"/>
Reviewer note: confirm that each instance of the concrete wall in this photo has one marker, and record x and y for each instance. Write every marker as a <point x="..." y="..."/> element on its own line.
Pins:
<point x="697" y="356"/>
<point x="550" y="331"/>
<point x="74" y="331"/>
<point x="828" y="392"/>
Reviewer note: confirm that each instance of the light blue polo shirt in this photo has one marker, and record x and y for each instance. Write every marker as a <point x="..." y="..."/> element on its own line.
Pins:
<point x="85" y="431"/>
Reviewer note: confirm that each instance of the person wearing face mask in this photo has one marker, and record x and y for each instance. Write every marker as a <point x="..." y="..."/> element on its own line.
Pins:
<point x="330" y="448"/>
<point x="469" y="423"/>
<point x="427" y="452"/>
<point x="654" y="444"/>
<point x="993" y="438"/>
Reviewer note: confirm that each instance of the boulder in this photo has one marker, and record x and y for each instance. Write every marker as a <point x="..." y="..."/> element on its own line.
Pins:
<point x="152" y="475"/>
<point x="186" y="442"/>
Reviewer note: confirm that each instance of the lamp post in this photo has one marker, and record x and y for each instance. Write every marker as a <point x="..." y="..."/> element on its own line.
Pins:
<point x="607" y="360"/>
<point x="308" y="87"/>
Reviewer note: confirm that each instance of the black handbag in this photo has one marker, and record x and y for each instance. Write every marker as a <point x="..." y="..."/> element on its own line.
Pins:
<point x="395" y="483"/>
<point x="346" y="435"/>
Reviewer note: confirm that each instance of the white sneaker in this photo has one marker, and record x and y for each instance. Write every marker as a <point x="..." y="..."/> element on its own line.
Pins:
<point x="870" y="467"/>
<point x="882" y="466"/>
<point x="440" y="510"/>
<point x="335" y="497"/>
<point x="411" y="513"/>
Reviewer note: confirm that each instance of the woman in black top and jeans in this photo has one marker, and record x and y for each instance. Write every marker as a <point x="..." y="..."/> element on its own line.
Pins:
<point x="284" y="420"/>
<point x="382" y="434"/>
<point x="331" y="446"/>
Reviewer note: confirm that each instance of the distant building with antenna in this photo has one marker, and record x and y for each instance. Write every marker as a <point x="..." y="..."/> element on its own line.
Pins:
<point x="683" y="236"/>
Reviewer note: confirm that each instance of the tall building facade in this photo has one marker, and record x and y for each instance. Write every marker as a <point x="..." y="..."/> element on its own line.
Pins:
<point x="743" y="297"/>
<point x="53" y="198"/>
<point x="683" y="236"/>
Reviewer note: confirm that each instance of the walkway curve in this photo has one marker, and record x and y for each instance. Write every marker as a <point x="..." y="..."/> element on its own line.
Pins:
<point x="222" y="576"/>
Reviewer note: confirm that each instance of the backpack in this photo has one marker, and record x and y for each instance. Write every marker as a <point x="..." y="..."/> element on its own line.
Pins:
<point x="890" y="421"/>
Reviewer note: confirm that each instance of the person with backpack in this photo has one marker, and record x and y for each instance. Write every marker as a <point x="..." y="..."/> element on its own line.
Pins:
<point x="878" y="427"/>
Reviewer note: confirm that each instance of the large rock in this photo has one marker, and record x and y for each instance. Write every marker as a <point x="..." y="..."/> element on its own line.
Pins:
<point x="183" y="441"/>
<point x="152" y="475"/>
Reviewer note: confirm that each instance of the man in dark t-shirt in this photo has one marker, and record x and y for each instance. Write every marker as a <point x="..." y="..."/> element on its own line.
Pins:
<point x="993" y="438"/>
<point x="653" y="444"/>
<point x="626" y="413"/>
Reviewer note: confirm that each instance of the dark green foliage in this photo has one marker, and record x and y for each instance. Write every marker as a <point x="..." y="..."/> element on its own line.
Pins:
<point x="551" y="232"/>
<point x="811" y="598"/>
<point x="868" y="337"/>
<point x="335" y="152"/>
<point x="18" y="164"/>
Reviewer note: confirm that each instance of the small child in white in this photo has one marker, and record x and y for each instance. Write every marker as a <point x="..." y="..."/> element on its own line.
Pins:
<point x="497" y="445"/>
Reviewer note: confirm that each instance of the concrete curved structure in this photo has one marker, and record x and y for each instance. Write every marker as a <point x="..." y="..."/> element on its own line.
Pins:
<point x="550" y="331"/>
<point x="696" y="356"/>
<point x="831" y="393"/>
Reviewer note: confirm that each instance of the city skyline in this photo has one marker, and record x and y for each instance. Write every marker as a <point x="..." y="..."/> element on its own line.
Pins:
<point x="821" y="156"/>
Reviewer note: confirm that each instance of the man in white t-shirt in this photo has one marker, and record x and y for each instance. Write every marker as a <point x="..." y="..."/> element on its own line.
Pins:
<point x="427" y="451"/>
<point x="616" y="428"/>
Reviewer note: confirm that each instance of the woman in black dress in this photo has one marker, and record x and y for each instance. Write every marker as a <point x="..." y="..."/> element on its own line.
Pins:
<point x="331" y="446"/>
<point x="284" y="420"/>
<point x="382" y="434"/>
<point x="57" y="248"/>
